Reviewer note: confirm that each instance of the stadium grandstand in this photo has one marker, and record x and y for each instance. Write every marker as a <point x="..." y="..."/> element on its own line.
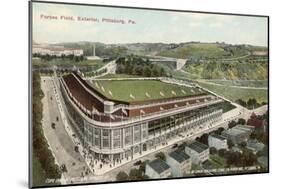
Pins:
<point x="118" y="120"/>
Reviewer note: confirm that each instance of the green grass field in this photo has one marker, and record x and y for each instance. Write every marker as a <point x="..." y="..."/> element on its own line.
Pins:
<point x="234" y="94"/>
<point x="244" y="83"/>
<point x="109" y="76"/>
<point x="121" y="90"/>
<point x="229" y="71"/>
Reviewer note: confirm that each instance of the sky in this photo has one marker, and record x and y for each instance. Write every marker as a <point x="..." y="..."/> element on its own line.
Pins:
<point x="150" y="26"/>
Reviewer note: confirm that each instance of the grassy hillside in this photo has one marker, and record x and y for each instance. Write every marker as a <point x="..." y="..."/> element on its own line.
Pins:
<point x="197" y="50"/>
<point x="232" y="71"/>
<point x="206" y="51"/>
<point x="234" y="94"/>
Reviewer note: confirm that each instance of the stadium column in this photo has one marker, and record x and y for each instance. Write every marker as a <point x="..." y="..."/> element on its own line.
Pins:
<point x="122" y="142"/>
<point x="111" y="144"/>
<point x="141" y="131"/>
<point x="133" y="137"/>
<point x="101" y="137"/>
<point x="111" y="139"/>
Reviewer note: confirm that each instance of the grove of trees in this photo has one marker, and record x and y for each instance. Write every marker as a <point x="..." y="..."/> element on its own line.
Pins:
<point x="134" y="65"/>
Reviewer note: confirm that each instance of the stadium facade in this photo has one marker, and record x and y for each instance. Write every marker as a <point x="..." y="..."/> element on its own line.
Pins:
<point x="117" y="130"/>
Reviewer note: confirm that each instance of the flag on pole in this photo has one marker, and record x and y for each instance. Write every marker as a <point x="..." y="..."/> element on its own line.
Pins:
<point x="132" y="96"/>
<point x="124" y="112"/>
<point x="112" y="117"/>
<point x="97" y="85"/>
<point x="102" y="89"/>
<point x="110" y="93"/>
<point x="142" y="112"/>
<point x="146" y="94"/>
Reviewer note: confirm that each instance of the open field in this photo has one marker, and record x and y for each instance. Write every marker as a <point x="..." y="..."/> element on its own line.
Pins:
<point x="234" y="94"/>
<point x="66" y="63"/>
<point x="141" y="90"/>
<point x="242" y="83"/>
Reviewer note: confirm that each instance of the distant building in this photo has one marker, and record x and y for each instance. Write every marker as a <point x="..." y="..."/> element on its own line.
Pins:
<point x="94" y="57"/>
<point x="55" y="50"/>
<point x="238" y="134"/>
<point x="255" y="145"/>
<point x="217" y="141"/>
<point x="198" y="152"/>
<point x="157" y="169"/>
<point x="254" y="121"/>
<point x="179" y="162"/>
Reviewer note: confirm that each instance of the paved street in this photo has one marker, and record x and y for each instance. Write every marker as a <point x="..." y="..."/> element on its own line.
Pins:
<point x="59" y="141"/>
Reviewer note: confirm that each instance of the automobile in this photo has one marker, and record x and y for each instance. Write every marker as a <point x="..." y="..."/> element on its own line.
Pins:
<point x="53" y="125"/>
<point x="76" y="149"/>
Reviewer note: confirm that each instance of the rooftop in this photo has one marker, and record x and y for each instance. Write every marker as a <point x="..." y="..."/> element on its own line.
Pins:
<point x="179" y="156"/>
<point x="217" y="136"/>
<point x="237" y="130"/>
<point x="197" y="146"/>
<point x="255" y="144"/>
<point x="158" y="165"/>
<point x="141" y="90"/>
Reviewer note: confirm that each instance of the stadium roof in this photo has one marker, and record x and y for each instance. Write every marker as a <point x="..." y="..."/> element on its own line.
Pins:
<point x="158" y="165"/>
<point x="141" y="90"/>
<point x="197" y="146"/>
<point x="179" y="156"/>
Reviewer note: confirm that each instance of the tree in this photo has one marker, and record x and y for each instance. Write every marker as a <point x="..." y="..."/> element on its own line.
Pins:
<point x="230" y="144"/>
<point x="142" y="166"/>
<point x="232" y="124"/>
<point x="213" y="150"/>
<point x="122" y="176"/>
<point x="241" y="102"/>
<point x="203" y="139"/>
<point x="251" y="103"/>
<point x="161" y="156"/>
<point x="147" y="71"/>
<point x="219" y="130"/>
<point x="243" y="144"/>
<point x="135" y="174"/>
<point x="249" y="158"/>
<point x="241" y="121"/>
<point x="221" y="152"/>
